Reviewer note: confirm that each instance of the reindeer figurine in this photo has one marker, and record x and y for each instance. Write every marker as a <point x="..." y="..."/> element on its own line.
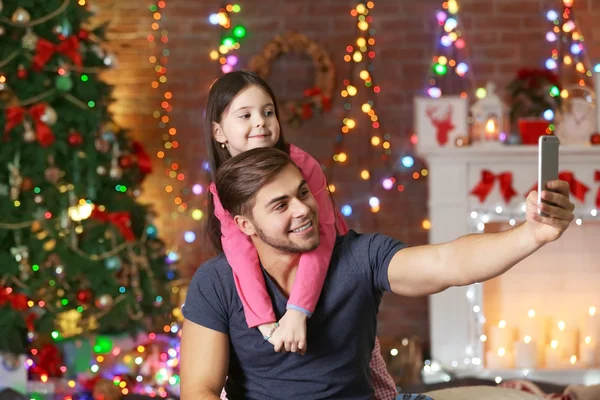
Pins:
<point x="443" y="126"/>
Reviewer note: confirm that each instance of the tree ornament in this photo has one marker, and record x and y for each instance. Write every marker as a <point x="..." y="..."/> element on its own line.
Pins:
<point x="21" y="255"/>
<point x="53" y="173"/>
<point x="75" y="139"/>
<point x="49" y="245"/>
<point x="113" y="263"/>
<point x="125" y="161"/>
<point x="595" y="138"/>
<point x="29" y="40"/>
<point x="27" y="184"/>
<point x="28" y="132"/>
<point x="104" y="302"/>
<point x="22" y="72"/>
<point x="84" y="296"/>
<point x="21" y="16"/>
<point x="101" y="170"/>
<point x="50" y="117"/>
<point x="83" y="35"/>
<point x="115" y="172"/>
<point x="64" y="29"/>
<point x="2" y="30"/>
<point x="110" y="60"/>
<point x="15" y="180"/>
<point x="64" y="83"/>
<point x="98" y="51"/>
<point x="102" y="145"/>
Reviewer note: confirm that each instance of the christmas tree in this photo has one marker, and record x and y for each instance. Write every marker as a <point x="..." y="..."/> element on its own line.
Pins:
<point x="449" y="67"/>
<point x="569" y="59"/>
<point x="78" y="252"/>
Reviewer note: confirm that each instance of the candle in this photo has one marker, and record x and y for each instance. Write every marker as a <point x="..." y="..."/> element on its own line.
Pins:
<point x="499" y="359"/>
<point x="534" y="327"/>
<point x="590" y="326"/>
<point x="526" y="355"/>
<point x="553" y="356"/>
<point x="500" y="336"/>
<point x="587" y="352"/>
<point x="491" y="129"/>
<point x="566" y="337"/>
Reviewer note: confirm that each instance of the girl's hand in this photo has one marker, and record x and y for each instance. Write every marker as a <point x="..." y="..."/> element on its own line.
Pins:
<point x="290" y="335"/>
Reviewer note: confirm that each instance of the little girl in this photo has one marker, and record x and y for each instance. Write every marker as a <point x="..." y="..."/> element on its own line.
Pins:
<point x="241" y="114"/>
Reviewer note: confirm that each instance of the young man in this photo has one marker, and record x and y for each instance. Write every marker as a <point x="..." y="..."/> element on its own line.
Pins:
<point x="271" y="203"/>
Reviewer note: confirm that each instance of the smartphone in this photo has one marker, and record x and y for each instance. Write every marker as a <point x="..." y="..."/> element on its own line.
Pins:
<point x="547" y="163"/>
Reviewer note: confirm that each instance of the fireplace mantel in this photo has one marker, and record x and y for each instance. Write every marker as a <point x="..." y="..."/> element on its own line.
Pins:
<point x="454" y="211"/>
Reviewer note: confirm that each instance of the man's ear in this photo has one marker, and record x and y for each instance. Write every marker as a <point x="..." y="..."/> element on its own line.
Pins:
<point x="217" y="133"/>
<point x="245" y="225"/>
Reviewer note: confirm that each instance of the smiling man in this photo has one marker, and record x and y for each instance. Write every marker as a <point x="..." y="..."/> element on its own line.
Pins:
<point x="271" y="203"/>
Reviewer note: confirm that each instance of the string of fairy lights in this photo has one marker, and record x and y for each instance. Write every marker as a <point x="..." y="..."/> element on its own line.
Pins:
<point x="450" y="60"/>
<point x="361" y="55"/>
<point x="568" y="54"/>
<point x="231" y="35"/>
<point x="178" y="184"/>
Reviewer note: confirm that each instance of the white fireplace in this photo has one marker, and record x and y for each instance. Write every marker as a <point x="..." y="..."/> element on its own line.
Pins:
<point x="553" y="289"/>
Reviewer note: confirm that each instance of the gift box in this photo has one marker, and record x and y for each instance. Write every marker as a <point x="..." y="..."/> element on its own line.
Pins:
<point x="13" y="372"/>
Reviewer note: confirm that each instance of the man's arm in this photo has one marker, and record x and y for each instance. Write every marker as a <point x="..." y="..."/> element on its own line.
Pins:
<point x="429" y="269"/>
<point x="425" y="270"/>
<point x="204" y="362"/>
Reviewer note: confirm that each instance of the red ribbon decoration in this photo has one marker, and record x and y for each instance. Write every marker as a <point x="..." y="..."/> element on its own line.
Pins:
<point x="577" y="188"/>
<point x="484" y="187"/>
<point x="326" y="102"/>
<point x="307" y="111"/>
<point x="16" y="115"/>
<point x="312" y="91"/>
<point x="120" y="219"/>
<point x="143" y="159"/>
<point x="46" y="49"/>
<point x="48" y="361"/>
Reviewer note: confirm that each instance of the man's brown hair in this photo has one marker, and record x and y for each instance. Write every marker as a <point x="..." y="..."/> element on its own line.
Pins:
<point x="240" y="178"/>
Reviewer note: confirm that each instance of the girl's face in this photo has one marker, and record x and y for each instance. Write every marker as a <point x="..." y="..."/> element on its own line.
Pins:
<point x="248" y="123"/>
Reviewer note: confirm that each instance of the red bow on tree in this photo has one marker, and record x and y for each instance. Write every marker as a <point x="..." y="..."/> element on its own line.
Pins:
<point x="46" y="49"/>
<point x="18" y="301"/>
<point x="16" y="115"/>
<point x="143" y="159"/>
<point x="484" y="187"/>
<point x="120" y="219"/>
<point x="4" y="295"/>
<point x="597" y="179"/>
<point x="577" y="188"/>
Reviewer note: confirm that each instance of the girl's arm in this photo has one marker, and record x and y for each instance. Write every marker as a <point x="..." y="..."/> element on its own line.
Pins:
<point x="313" y="265"/>
<point x="243" y="259"/>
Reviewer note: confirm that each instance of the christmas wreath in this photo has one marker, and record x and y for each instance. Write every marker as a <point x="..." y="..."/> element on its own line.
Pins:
<point x="314" y="100"/>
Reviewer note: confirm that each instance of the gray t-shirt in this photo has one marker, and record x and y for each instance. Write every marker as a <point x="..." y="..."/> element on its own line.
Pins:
<point x="340" y="333"/>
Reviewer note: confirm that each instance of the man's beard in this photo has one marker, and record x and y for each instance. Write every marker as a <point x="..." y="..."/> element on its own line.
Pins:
<point x="286" y="246"/>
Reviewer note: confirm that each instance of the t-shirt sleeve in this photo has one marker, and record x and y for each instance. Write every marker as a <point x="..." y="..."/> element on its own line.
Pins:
<point x="372" y="254"/>
<point x="205" y="302"/>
